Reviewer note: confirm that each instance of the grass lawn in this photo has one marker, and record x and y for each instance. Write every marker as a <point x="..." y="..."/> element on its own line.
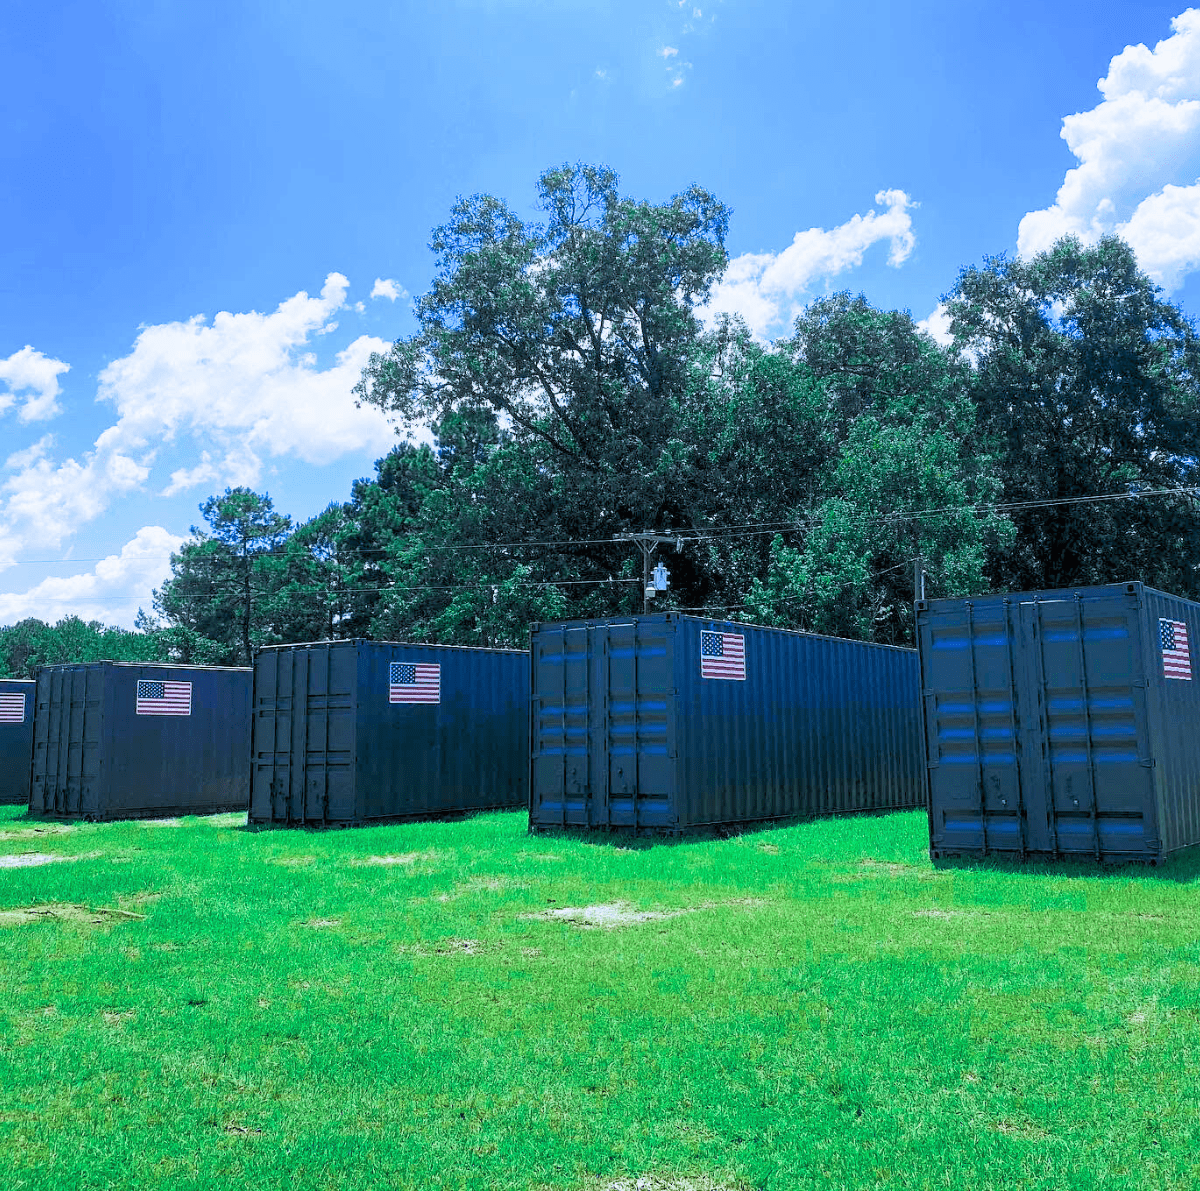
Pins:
<point x="444" y="1005"/>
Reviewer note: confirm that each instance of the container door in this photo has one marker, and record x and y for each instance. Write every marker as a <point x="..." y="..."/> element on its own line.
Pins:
<point x="969" y="662"/>
<point x="637" y="672"/>
<point x="561" y="717"/>
<point x="1088" y="771"/>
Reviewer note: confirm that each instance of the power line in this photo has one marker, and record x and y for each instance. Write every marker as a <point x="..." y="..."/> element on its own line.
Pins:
<point x="333" y="591"/>
<point x="703" y="533"/>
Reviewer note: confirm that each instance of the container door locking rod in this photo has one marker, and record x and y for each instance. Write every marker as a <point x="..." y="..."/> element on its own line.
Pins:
<point x="1094" y="807"/>
<point x="977" y="743"/>
<point x="1047" y="746"/>
<point x="1012" y="725"/>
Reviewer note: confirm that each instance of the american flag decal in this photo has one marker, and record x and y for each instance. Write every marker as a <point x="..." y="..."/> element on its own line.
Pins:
<point x="12" y="707"/>
<point x="722" y="655"/>
<point x="163" y="698"/>
<point x="1177" y="659"/>
<point x="414" y="682"/>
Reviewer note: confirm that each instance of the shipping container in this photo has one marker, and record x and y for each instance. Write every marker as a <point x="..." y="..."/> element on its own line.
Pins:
<point x="1062" y="723"/>
<point x="131" y="740"/>
<point x="667" y="722"/>
<point x="16" y="739"/>
<point x="361" y="731"/>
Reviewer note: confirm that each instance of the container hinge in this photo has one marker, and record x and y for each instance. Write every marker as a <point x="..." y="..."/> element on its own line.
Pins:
<point x="1148" y="763"/>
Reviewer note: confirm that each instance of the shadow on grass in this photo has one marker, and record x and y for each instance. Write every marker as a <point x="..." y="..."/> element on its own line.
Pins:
<point x="316" y="826"/>
<point x="623" y="838"/>
<point x="1181" y="868"/>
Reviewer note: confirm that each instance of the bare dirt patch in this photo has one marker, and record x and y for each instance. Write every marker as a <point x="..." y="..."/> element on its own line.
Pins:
<point x="482" y="885"/>
<point x="539" y="856"/>
<point x="293" y="861"/>
<point x="874" y="869"/>
<point x="460" y="947"/>
<point x="67" y="912"/>
<point x="161" y="822"/>
<point x="34" y="859"/>
<point x="398" y="858"/>
<point x="27" y="832"/>
<point x="132" y="900"/>
<point x="650" y="1182"/>
<point x="323" y="923"/>
<point x="770" y="849"/>
<point x="612" y="914"/>
<point x="887" y="868"/>
<point x="606" y="915"/>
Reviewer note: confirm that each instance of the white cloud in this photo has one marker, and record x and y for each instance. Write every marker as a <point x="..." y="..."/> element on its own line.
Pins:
<point x="385" y="287"/>
<point x="243" y="385"/>
<point x="45" y="502"/>
<point x="768" y="289"/>
<point x="936" y="324"/>
<point x="1139" y="160"/>
<point x="112" y="592"/>
<point x="668" y="51"/>
<point x="36" y="375"/>
<point x="239" y="389"/>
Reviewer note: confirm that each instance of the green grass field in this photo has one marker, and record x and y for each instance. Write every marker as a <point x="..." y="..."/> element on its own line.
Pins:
<point x="437" y="1005"/>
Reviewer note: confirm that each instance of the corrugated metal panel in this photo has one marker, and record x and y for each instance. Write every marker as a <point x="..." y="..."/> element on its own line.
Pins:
<point x="330" y="745"/>
<point x="95" y="755"/>
<point x="626" y="732"/>
<point x="16" y="738"/>
<point x="1051" y="728"/>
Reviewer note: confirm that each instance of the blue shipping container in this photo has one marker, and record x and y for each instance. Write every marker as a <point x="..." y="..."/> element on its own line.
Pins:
<point x="356" y="731"/>
<point x="668" y="722"/>
<point x="124" y="740"/>
<point x="1062" y="722"/>
<point x="16" y="738"/>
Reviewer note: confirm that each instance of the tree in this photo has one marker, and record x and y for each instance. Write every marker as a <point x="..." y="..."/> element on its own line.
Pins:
<point x="222" y="581"/>
<point x="31" y="643"/>
<point x="901" y="439"/>
<point x="1087" y="380"/>
<point x="577" y="333"/>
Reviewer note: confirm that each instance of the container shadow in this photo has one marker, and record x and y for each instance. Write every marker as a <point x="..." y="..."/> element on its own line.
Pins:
<point x="316" y="827"/>
<point x="624" y="840"/>
<point x="1180" y="868"/>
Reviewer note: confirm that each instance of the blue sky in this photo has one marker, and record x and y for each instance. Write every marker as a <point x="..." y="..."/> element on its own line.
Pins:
<point x="213" y="212"/>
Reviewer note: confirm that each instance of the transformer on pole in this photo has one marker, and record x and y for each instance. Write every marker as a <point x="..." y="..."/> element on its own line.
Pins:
<point x="648" y="542"/>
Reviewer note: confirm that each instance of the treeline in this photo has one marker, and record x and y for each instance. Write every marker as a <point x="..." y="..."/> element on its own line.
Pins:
<point x="575" y="394"/>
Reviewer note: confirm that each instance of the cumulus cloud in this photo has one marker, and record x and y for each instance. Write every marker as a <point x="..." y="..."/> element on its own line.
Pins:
<point x="768" y="288"/>
<point x="385" y="287"/>
<point x="937" y="325"/>
<point x="1139" y="160"/>
<point x="668" y="51"/>
<point x="35" y="376"/>
<point x="244" y="386"/>
<point x="44" y="501"/>
<point x="235" y="391"/>
<point x="111" y="592"/>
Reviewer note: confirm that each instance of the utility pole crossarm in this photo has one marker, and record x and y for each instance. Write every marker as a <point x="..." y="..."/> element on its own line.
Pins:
<point x="648" y="541"/>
